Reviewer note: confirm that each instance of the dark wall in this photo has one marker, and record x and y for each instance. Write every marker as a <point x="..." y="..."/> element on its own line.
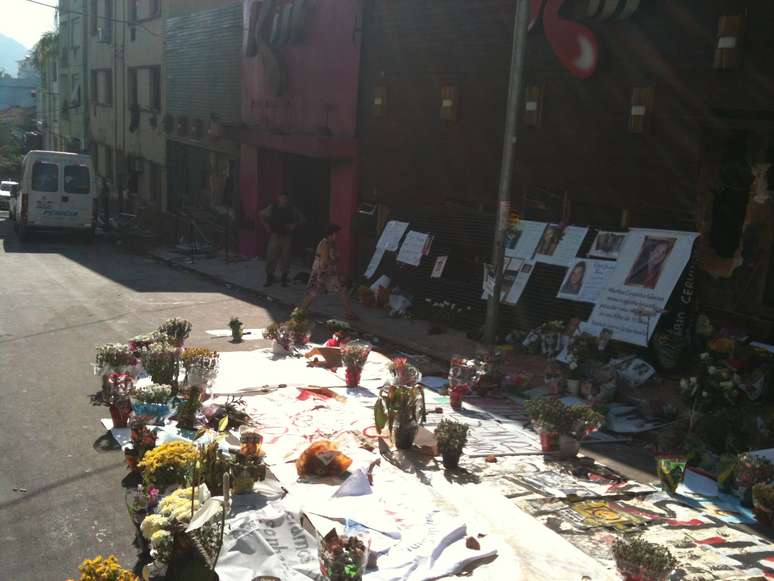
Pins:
<point x="410" y="157"/>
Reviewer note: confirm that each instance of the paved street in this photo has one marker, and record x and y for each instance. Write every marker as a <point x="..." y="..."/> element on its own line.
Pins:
<point x="60" y="478"/>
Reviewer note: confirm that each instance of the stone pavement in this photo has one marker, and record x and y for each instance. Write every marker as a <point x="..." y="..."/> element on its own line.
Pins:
<point x="248" y="276"/>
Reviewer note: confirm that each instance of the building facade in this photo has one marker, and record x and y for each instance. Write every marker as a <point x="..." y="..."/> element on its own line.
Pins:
<point x="656" y="114"/>
<point x="72" y="60"/>
<point x="300" y="73"/>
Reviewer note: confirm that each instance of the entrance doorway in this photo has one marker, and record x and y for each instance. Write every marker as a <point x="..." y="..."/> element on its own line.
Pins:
<point x="308" y="183"/>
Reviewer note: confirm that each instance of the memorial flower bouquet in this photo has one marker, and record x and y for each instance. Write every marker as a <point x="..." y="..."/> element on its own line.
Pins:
<point x="160" y="361"/>
<point x="343" y="557"/>
<point x="638" y="559"/>
<point x="104" y="569"/>
<point x="547" y="416"/>
<point x="177" y="330"/>
<point x="280" y="337"/>
<point x="168" y="464"/>
<point x="236" y="327"/>
<point x="763" y="502"/>
<point x="575" y="423"/>
<point x="299" y="327"/>
<point x="403" y="373"/>
<point x="136" y="344"/>
<point x="114" y="358"/>
<point x="200" y="365"/>
<point x="151" y="400"/>
<point x="401" y="407"/>
<point x="715" y="385"/>
<point x="354" y="356"/>
<point x="750" y="470"/>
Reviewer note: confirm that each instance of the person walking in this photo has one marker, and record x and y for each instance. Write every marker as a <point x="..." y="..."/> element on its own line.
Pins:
<point x="281" y="219"/>
<point x="325" y="276"/>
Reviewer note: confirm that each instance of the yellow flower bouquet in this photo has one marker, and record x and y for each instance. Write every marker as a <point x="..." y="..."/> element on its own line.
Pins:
<point x="168" y="464"/>
<point x="104" y="569"/>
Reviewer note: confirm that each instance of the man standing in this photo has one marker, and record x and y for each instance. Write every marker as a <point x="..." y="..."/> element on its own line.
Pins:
<point x="280" y="219"/>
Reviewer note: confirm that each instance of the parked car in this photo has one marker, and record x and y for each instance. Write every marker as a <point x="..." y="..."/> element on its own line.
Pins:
<point x="57" y="191"/>
<point x="6" y="189"/>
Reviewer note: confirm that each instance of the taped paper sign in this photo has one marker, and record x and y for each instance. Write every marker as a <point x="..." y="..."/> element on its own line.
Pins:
<point x="376" y="259"/>
<point x="521" y="241"/>
<point x="585" y="280"/>
<point x="519" y="283"/>
<point x="607" y="244"/>
<point x="391" y="235"/>
<point x="649" y="266"/>
<point x="560" y="246"/>
<point x="414" y="247"/>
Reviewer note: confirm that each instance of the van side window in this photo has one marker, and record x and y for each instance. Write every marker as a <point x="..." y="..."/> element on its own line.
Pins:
<point x="76" y="179"/>
<point x="45" y="177"/>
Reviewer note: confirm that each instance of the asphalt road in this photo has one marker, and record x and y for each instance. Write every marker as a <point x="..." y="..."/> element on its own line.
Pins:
<point x="61" y="495"/>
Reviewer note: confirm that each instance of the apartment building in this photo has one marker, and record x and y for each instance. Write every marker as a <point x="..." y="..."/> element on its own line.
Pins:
<point x="72" y="58"/>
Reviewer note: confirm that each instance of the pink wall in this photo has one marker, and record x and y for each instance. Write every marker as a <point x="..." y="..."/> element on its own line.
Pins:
<point x="344" y="193"/>
<point x="322" y="71"/>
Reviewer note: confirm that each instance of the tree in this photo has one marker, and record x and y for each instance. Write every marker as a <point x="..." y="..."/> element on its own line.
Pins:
<point x="45" y="49"/>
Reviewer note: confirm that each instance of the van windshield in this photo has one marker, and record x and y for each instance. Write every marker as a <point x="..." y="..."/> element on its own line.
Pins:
<point x="45" y="176"/>
<point x="76" y="179"/>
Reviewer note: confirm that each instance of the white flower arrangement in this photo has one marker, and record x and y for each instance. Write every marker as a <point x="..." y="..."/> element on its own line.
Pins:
<point x="154" y="393"/>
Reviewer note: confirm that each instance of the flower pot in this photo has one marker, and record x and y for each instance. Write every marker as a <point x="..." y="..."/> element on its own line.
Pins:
<point x="455" y="396"/>
<point x="549" y="441"/>
<point x="236" y="334"/>
<point x="573" y="387"/>
<point x="451" y="458"/>
<point x="154" y="410"/>
<point x="403" y="434"/>
<point x="568" y="447"/>
<point x="279" y="349"/>
<point x="353" y="377"/>
<point x="119" y="413"/>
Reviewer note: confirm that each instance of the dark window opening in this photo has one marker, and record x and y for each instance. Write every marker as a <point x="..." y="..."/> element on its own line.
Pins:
<point x="45" y="177"/>
<point x="77" y="179"/>
<point x="730" y="195"/>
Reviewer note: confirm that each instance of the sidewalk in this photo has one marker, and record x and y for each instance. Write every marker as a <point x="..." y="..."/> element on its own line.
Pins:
<point x="248" y="276"/>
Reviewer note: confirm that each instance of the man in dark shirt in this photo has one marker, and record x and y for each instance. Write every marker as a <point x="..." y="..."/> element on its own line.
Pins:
<point x="280" y="219"/>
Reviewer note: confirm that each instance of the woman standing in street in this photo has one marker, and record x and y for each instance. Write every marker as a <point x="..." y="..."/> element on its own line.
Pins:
<point x="325" y="277"/>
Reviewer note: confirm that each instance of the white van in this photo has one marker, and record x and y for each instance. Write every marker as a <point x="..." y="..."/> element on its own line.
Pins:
<point x="57" y="191"/>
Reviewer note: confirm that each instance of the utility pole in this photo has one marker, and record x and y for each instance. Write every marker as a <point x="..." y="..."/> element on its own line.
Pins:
<point x="513" y="110"/>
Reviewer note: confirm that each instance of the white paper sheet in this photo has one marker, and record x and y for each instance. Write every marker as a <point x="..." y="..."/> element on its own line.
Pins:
<point x="247" y="334"/>
<point x="391" y="235"/>
<point x="695" y="484"/>
<point x="376" y="259"/>
<point x="607" y="244"/>
<point x="523" y="240"/>
<point x="413" y="247"/>
<point x="585" y="280"/>
<point x="559" y="246"/>
<point x="519" y="283"/>
<point x="438" y="268"/>
<point x="650" y="264"/>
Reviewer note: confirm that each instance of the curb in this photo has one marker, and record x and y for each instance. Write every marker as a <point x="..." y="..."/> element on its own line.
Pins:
<point x="388" y="338"/>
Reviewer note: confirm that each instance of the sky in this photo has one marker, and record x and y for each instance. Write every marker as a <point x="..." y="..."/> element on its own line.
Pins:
<point x="25" y="21"/>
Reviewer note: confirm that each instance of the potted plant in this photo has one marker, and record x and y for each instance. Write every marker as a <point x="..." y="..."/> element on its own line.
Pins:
<point x="546" y="415"/>
<point x="188" y="409"/>
<point x="574" y="377"/>
<point x="553" y="379"/>
<point x="750" y="470"/>
<point x="354" y="356"/>
<point x="237" y="328"/>
<point x="299" y="327"/>
<point x="639" y="560"/>
<point x="151" y="400"/>
<point x="451" y="437"/>
<point x="402" y="409"/>
<point x="177" y="331"/>
<point x="576" y="423"/>
<point x="114" y="359"/>
<point x="200" y="365"/>
<point x="763" y="502"/>
<point x="280" y="338"/>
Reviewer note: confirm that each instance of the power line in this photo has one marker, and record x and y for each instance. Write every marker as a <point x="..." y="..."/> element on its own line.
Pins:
<point x="118" y="20"/>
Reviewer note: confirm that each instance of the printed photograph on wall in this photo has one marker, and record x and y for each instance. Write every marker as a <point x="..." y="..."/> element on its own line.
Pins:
<point x="573" y="282"/>
<point x="607" y="244"/>
<point x="512" y="238"/>
<point x="550" y="240"/>
<point x="650" y="262"/>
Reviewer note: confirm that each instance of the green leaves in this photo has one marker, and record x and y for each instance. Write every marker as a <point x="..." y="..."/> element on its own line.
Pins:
<point x="380" y="414"/>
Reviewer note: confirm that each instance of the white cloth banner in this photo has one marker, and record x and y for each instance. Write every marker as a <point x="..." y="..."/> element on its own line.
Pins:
<point x="585" y="280"/>
<point x="522" y="241"/>
<point x="391" y="235"/>
<point x="648" y="268"/>
<point x="559" y="246"/>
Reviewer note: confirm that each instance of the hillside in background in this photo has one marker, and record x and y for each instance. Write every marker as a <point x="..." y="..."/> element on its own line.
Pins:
<point x="10" y="52"/>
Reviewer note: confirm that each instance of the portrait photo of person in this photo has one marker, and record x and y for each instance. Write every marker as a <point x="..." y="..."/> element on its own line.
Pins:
<point x="512" y="238"/>
<point x="650" y="262"/>
<point x="574" y="280"/>
<point x="607" y="244"/>
<point x="550" y="240"/>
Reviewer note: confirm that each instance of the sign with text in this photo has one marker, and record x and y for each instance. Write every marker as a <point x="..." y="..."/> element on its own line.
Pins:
<point x="585" y="280"/>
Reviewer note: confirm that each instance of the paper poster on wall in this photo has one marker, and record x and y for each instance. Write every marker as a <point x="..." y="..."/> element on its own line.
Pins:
<point x="560" y="246"/>
<point x="585" y="280"/>
<point x="649" y="266"/>
<point x="439" y="266"/>
<point x="376" y="259"/>
<point x="607" y="244"/>
<point x="413" y="248"/>
<point x="391" y="235"/>
<point x="521" y="241"/>
<point x="519" y="283"/>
